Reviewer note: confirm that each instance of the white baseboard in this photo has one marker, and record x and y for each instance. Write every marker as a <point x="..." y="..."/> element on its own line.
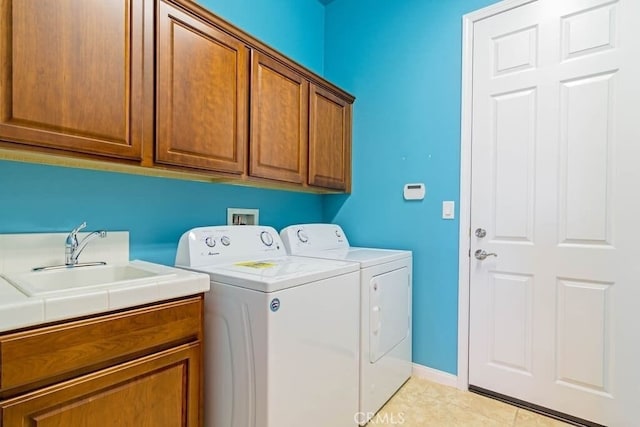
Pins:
<point x="435" y="375"/>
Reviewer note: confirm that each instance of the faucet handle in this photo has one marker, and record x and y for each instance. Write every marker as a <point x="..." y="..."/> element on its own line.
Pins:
<point x="71" y="238"/>
<point x="80" y="227"/>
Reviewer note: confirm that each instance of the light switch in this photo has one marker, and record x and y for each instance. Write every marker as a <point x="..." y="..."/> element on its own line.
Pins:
<point x="448" y="209"/>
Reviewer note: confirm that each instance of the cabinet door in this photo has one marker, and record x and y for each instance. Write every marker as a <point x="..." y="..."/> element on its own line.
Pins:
<point x="279" y="121"/>
<point x="71" y="75"/>
<point x="329" y="140"/>
<point x="158" y="390"/>
<point x="203" y="79"/>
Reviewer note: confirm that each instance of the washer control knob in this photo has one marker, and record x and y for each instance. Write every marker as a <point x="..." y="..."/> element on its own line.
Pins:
<point x="225" y="240"/>
<point x="302" y="236"/>
<point x="210" y="241"/>
<point x="338" y="234"/>
<point x="266" y="238"/>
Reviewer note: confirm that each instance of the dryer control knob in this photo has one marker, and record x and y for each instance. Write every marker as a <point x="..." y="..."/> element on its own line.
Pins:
<point x="210" y="241"/>
<point x="266" y="238"/>
<point x="338" y="234"/>
<point x="225" y="240"/>
<point x="302" y="236"/>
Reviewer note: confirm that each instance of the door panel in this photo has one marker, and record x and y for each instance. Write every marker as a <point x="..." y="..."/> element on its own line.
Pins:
<point x="585" y="159"/>
<point x="584" y="359"/>
<point x="554" y="152"/>
<point x="514" y="114"/>
<point x="589" y="31"/>
<point x="388" y="308"/>
<point x="511" y="331"/>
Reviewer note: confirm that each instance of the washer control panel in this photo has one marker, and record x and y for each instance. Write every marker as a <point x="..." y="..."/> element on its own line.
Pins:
<point x="223" y="244"/>
<point x="302" y="238"/>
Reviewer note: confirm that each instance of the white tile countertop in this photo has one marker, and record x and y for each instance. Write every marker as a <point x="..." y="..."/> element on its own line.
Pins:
<point x="19" y="253"/>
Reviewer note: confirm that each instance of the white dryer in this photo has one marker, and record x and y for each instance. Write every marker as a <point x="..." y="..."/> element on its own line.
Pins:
<point x="385" y="307"/>
<point x="281" y="332"/>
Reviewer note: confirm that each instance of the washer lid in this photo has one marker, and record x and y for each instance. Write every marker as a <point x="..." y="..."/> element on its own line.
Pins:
<point x="274" y="274"/>
<point x="366" y="257"/>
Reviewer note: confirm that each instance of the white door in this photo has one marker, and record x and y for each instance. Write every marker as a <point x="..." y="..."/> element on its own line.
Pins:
<point x="555" y="176"/>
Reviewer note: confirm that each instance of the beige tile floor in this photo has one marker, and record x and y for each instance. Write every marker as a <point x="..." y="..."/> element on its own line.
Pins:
<point x="421" y="403"/>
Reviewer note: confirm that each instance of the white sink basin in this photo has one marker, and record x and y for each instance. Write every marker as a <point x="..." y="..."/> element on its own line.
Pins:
<point x="48" y="282"/>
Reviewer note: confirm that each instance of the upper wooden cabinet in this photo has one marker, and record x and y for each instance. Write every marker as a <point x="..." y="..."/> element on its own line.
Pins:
<point x="202" y="90"/>
<point x="72" y="75"/>
<point x="300" y="132"/>
<point x="279" y="124"/>
<point x="169" y="86"/>
<point x="329" y="140"/>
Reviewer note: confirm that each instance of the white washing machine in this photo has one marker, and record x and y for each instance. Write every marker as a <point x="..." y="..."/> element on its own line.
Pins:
<point x="385" y="288"/>
<point x="281" y="332"/>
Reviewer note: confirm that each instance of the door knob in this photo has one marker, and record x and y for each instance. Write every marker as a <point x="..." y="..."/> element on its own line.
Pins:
<point x="482" y="255"/>
<point x="481" y="232"/>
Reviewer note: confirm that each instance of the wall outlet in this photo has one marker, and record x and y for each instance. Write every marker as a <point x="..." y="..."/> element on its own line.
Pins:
<point x="238" y="216"/>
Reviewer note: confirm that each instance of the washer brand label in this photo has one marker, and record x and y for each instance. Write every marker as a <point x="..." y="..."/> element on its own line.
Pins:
<point x="275" y="304"/>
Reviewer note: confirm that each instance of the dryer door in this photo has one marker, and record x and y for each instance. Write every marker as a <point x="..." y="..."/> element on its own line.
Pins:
<point x="388" y="311"/>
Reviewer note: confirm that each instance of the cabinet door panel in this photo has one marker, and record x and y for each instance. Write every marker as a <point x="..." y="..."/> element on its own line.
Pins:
<point x="329" y="140"/>
<point x="202" y="94"/>
<point x="71" y="75"/>
<point x="158" y="390"/>
<point x="279" y="121"/>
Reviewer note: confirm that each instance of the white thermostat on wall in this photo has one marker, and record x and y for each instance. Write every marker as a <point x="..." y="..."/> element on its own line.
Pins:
<point x="414" y="191"/>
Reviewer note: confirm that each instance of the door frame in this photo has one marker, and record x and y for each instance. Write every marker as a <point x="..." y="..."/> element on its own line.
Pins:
<point x="464" y="256"/>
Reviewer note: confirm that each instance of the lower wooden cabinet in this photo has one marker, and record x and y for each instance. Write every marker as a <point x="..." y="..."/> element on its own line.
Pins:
<point x="137" y="367"/>
<point x="162" y="389"/>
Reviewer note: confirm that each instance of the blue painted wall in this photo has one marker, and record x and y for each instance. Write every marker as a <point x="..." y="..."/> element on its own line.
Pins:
<point x="156" y="211"/>
<point x="294" y="27"/>
<point x="402" y="60"/>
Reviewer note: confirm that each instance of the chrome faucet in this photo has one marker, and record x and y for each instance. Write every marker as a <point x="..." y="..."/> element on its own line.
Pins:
<point x="73" y="249"/>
